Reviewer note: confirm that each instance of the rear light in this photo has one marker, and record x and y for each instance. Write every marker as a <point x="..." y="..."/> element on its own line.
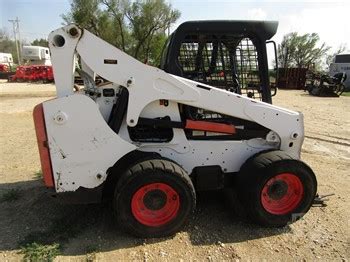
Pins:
<point x="40" y="129"/>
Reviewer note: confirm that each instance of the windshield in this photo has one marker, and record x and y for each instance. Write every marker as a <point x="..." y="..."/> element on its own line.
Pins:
<point x="342" y="58"/>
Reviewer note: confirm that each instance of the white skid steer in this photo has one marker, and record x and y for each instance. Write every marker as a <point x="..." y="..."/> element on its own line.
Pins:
<point x="133" y="140"/>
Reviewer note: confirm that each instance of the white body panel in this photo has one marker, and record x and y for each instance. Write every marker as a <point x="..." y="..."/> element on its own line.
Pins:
<point x="229" y="155"/>
<point x="90" y="147"/>
<point x="82" y="146"/>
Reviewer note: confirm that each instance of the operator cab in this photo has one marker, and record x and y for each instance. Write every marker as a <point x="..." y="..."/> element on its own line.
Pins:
<point x="226" y="54"/>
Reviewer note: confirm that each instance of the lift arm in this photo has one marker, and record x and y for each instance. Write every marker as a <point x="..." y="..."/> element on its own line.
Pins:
<point x="147" y="84"/>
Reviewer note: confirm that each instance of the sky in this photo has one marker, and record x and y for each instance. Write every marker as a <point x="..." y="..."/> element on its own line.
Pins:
<point x="330" y="19"/>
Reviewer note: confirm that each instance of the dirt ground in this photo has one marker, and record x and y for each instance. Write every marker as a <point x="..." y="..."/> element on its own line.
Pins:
<point x="88" y="232"/>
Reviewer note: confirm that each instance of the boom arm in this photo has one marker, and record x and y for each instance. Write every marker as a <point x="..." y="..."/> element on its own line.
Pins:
<point x="147" y="84"/>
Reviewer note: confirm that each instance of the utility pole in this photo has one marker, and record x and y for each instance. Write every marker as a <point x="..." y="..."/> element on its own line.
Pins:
<point x="19" y="39"/>
<point x="15" y="25"/>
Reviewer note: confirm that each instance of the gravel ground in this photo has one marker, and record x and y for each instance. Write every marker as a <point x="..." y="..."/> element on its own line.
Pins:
<point x="214" y="232"/>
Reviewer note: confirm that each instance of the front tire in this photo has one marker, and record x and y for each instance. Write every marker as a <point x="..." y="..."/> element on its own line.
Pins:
<point x="154" y="198"/>
<point x="275" y="189"/>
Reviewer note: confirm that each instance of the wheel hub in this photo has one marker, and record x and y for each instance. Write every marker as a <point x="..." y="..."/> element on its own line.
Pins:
<point x="155" y="204"/>
<point x="277" y="190"/>
<point x="155" y="199"/>
<point x="282" y="194"/>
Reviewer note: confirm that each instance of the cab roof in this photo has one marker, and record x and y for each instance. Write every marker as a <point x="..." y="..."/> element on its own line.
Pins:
<point x="264" y="29"/>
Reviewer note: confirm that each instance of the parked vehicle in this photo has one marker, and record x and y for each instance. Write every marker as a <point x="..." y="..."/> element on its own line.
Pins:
<point x="6" y="59"/>
<point x="37" y="65"/>
<point x="148" y="140"/>
<point x="324" y="85"/>
<point x="36" y="55"/>
<point x="341" y="64"/>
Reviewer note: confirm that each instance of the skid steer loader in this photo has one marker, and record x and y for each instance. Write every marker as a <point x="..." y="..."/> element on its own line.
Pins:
<point x="148" y="140"/>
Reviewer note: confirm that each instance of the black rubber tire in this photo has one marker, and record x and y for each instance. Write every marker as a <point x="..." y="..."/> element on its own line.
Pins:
<point x="254" y="174"/>
<point x="339" y="90"/>
<point x="147" y="172"/>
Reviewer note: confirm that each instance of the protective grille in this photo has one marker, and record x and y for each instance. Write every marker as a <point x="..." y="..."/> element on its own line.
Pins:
<point x="227" y="62"/>
<point x="248" y="69"/>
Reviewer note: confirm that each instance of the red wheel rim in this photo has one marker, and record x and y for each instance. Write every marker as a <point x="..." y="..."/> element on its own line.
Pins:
<point x="155" y="204"/>
<point x="282" y="194"/>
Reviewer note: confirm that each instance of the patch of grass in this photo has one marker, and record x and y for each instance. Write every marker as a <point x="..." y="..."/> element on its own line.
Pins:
<point x="10" y="196"/>
<point x="91" y="249"/>
<point x="346" y="94"/>
<point x="38" y="175"/>
<point x="40" y="252"/>
<point x="46" y="245"/>
<point x="60" y="231"/>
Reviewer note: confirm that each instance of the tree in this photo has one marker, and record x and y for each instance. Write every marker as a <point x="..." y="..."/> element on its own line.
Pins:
<point x="7" y="45"/>
<point x="286" y="50"/>
<point x="117" y="10"/>
<point x="148" y="21"/>
<point x="301" y="51"/>
<point x="86" y="13"/>
<point x="40" y="42"/>
<point x="136" y="27"/>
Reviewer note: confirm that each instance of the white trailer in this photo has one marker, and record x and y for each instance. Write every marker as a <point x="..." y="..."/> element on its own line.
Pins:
<point x="6" y="58"/>
<point x="36" y="55"/>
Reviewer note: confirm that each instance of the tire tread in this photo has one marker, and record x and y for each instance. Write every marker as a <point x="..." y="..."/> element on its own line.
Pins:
<point x="137" y="169"/>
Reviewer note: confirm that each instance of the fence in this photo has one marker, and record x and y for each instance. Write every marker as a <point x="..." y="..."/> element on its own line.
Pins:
<point x="291" y="78"/>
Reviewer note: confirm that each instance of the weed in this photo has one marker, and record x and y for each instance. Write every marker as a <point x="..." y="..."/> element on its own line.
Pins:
<point x="91" y="249"/>
<point x="45" y="245"/>
<point x="40" y="252"/>
<point x="10" y="196"/>
<point x="38" y="175"/>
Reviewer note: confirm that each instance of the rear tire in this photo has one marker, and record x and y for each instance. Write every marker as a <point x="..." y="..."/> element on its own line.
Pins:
<point x="275" y="189"/>
<point x="339" y="89"/>
<point x="154" y="198"/>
